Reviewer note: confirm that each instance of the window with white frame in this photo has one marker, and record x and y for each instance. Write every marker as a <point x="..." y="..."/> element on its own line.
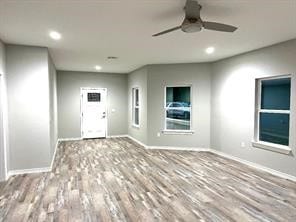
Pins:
<point x="135" y="107"/>
<point x="178" y="108"/>
<point x="273" y="110"/>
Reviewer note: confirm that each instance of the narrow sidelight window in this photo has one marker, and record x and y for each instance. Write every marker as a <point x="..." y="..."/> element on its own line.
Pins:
<point x="178" y="108"/>
<point x="135" y="107"/>
<point x="273" y="110"/>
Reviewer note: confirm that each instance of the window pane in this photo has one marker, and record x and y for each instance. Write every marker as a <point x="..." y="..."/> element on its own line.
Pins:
<point x="93" y="97"/>
<point x="137" y="116"/>
<point x="135" y="106"/>
<point x="274" y="128"/>
<point x="275" y="94"/>
<point x="133" y="96"/>
<point x="137" y="97"/>
<point x="178" y="108"/>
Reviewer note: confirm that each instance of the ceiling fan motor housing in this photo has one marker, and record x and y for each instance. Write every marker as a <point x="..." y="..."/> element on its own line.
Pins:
<point x="191" y="25"/>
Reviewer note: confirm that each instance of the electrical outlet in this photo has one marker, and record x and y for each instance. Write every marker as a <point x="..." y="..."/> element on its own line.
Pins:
<point x="243" y="144"/>
<point x="158" y="134"/>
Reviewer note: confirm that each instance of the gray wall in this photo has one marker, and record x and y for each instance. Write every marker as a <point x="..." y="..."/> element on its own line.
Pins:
<point x="138" y="79"/>
<point x="233" y="103"/>
<point x="223" y="102"/>
<point x="52" y="106"/>
<point x="69" y="84"/>
<point x="28" y="107"/>
<point x="3" y="104"/>
<point x="199" y="77"/>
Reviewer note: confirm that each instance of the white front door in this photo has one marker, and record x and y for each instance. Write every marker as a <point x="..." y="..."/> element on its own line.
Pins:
<point x="93" y="112"/>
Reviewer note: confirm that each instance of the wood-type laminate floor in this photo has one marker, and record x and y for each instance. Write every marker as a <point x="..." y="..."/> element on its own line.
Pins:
<point x="118" y="180"/>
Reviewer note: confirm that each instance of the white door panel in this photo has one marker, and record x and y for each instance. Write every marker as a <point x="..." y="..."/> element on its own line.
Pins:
<point x="93" y="113"/>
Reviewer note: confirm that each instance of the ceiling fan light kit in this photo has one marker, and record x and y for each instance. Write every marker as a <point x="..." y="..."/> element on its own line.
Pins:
<point x="193" y="23"/>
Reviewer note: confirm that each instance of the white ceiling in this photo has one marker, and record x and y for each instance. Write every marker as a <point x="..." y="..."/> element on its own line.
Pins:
<point x="94" y="30"/>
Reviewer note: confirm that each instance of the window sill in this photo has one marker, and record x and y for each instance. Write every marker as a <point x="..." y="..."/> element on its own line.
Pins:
<point x="273" y="147"/>
<point x="136" y="126"/>
<point x="178" y="132"/>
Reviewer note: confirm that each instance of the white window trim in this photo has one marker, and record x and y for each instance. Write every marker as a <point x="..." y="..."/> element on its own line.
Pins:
<point x="274" y="111"/>
<point x="272" y="147"/>
<point x="263" y="144"/>
<point x="180" y="132"/>
<point x="134" y="107"/>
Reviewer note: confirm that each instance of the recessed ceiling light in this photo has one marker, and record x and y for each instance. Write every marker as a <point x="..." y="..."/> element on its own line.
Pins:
<point x="210" y="50"/>
<point x="55" y="35"/>
<point x="98" y="67"/>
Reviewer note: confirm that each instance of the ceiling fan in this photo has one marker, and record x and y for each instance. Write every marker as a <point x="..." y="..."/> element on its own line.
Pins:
<point x="193" y="22"/>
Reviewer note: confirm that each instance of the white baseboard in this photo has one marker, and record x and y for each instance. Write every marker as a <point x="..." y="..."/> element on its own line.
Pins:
<point x="169" y="147"/>
<point x="27" y="171"/>
<point x="54" y="153"/>
<point x="251" y="164"/>
<point x="255" y="165"/>
<point x="35" y="170"/>
<point x="69" y="139"/>
<point x="137" y="141"/>
<point x="179" y="148"/>
<point x="117" y="136"/>
<point x="79" y="138"/>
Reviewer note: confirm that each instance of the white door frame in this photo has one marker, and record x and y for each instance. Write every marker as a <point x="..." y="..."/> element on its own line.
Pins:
<point x="81" y="102"/>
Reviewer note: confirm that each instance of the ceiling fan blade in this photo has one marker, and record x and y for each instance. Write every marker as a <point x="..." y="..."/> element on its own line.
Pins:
<point x="192" y="9"/>
<point x="167" y="31"/>
<point x="219" y="27"/>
